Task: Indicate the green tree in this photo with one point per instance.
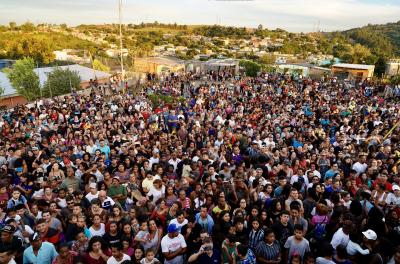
(61, 82)
(2, 90)
(98, 65)
(360, 53)
(38, 49)
(28, 27)
(12, 25)
(380, 67)
(24, 79)
(250, 67)
(267, 59)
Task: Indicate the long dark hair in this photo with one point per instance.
(94, 240)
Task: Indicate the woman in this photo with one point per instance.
(172, 212)
(128, 232)
(98, 228)
(116, 214)
(170, 196)
(66, 256)
(138, 256)
(95, 209)
(56, 174)
(275, 210)
(321, 216)
(242, 208)
(160, 212)
(269, 250)
(97, 252)
(157, 191)
(154, 238)
(126, 246)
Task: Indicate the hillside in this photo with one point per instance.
(381, 38)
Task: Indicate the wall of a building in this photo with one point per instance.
(354, 73)
(12, 101)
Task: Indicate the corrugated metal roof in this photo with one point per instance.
(5, 83)
(354, 66)
(84, 72)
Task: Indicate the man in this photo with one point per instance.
(117, 255)
(117, 191)
(106, 202)
(6, 257)
(52, 221)
(47, 233)
(244, 255)
(341, 236)
(173, 246)
(294, 196)
(180, 220)
(282, 229)
(39, 251)
(93, 193)
(8, 241)
(70, 182)
(296, 218)
(204, 219)
(296, 244)
(207, 254)
(360, 166)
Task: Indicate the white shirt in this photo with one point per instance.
(392, 198)
(172, 245)
(340, 238)
(99, 232)
(157, 194)
(359, 168)
(178, 225)
(91, 196)
(112, 260)
(174, 163)
(354, 248)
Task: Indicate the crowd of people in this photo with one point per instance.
(244, 170)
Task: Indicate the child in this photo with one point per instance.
(297, 244)
(149, 259)
(81, 243)
(143, 235)
(256, 234)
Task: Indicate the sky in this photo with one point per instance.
(291, 15)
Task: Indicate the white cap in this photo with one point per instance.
(395, 187)
(370, 234)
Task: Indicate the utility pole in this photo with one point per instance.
(120, 40)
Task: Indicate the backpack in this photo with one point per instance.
(319, 232)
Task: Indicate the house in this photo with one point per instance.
(115, 53)
(11, 97)
(392, 67)
(158, 65)
(358, 72)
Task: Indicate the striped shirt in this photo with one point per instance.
(255, 236)
(268, 252)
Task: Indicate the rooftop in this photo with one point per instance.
(354, 66)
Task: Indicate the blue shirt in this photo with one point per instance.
(46, 254)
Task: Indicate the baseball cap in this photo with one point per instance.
(35, 237)
(370, 234)
(395, 187)
(116, 177)
(9, 229)
(172, 228)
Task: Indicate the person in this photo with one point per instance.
(6, 256)
(179, 221)
(256, 233)
(97, 251)
(341, 236)
(173, 246)
(8, 241)
(282, 229)
(117, 255)
(39, 251)
(149, 259)
(268, 251)
(207, 254)
(328, 255)
(243, 255)
(66, 256)
(204, 219)
(296, 244)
